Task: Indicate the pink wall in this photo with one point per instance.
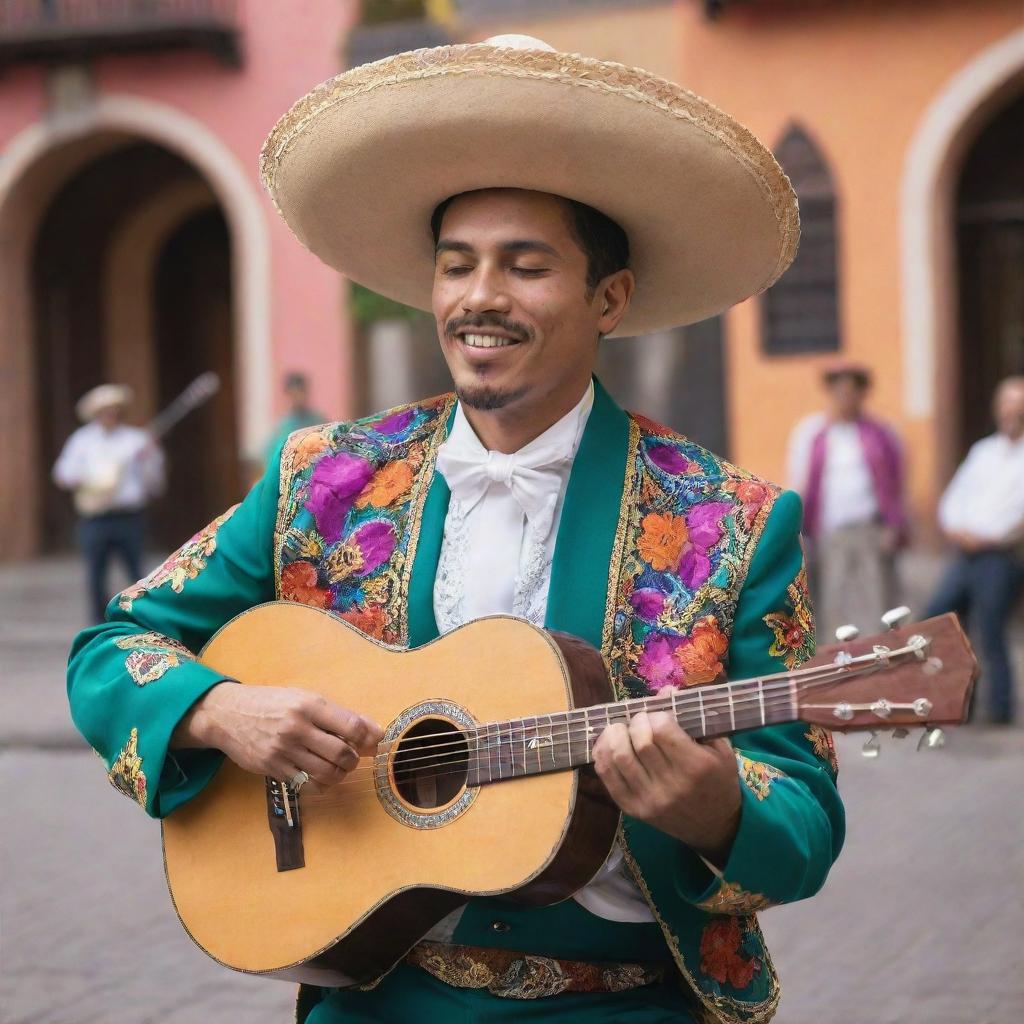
(288, 48)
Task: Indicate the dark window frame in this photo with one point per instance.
(800, 314)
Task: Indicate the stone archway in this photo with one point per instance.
(37, 162)
(990, 267)
(932, 168)
(131, 282)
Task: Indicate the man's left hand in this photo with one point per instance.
(655, 772)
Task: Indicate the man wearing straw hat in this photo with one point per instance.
(536, 202)
(114, 470)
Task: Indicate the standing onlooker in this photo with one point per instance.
(299, 414)
(848, 467)
(982, 515)
(114, 470)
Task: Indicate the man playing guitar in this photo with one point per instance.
(536, 202)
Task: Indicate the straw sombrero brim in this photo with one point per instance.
(358, 165)
(105, 396)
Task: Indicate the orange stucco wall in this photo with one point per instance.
(858, 77)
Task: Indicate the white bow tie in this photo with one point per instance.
(533, 475)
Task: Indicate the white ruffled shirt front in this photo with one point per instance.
(496, 555)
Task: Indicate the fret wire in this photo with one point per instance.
(777, 685)
(746, 710)
(732, 708)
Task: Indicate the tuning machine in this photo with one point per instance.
(872, 747)
(895, 617)
(931, 739)
(844, 634)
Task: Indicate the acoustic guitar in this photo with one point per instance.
(480, 785)
(95, 495)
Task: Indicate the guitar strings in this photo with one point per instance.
(830, 670)
(569, 734)
(568, 728)
(333, 798)
(719, 703)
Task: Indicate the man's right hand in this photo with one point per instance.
(278, 731)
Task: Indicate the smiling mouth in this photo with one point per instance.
(486, 341)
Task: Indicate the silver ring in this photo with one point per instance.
(298, 780)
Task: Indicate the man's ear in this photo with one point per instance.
(614, 294)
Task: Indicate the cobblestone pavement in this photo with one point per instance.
(919, 922)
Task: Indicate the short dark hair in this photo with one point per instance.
(603, 242)
(295, 380)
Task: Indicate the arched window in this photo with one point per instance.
(801, 311)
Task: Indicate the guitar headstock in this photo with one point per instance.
(205, 386)
(915, 675)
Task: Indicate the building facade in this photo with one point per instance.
(901, 124)
(137, 245)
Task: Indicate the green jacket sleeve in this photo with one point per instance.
(132, 678)
(792, 821)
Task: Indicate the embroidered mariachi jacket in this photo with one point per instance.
(678, 566)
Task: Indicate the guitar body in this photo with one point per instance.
(389, 852)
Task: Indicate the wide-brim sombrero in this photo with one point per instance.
(105, 396)
(358, 165)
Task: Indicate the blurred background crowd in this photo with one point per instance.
(881, 376)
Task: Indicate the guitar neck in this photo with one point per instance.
(558, 742)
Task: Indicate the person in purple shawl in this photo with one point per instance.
(848, 467)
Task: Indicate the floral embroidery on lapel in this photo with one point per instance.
(691, 524)
(824, 748)
(148, 666)
(185, 564)
(757, 776)
(347, 511)
(793, 628)
(722, 948)
(729, 898)
(126, 774)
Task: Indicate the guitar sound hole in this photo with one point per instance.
(430, 763)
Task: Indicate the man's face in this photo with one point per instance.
(1008, 408)
(109, 417)
(847, 393)
(298, 395)
(516, 324)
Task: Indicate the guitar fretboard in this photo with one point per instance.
(551, 743)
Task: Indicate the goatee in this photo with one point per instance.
(486, 398)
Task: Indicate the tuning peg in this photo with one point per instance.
(872, 747)
(931, 739)
(895, 617)
(900, 734)
(844, 634)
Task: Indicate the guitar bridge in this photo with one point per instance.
(285, 825)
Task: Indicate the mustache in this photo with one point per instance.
(519, 331)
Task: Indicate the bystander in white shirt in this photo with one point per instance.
(986, 496)
(122, 458)
(847, 489)
(499, 543)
